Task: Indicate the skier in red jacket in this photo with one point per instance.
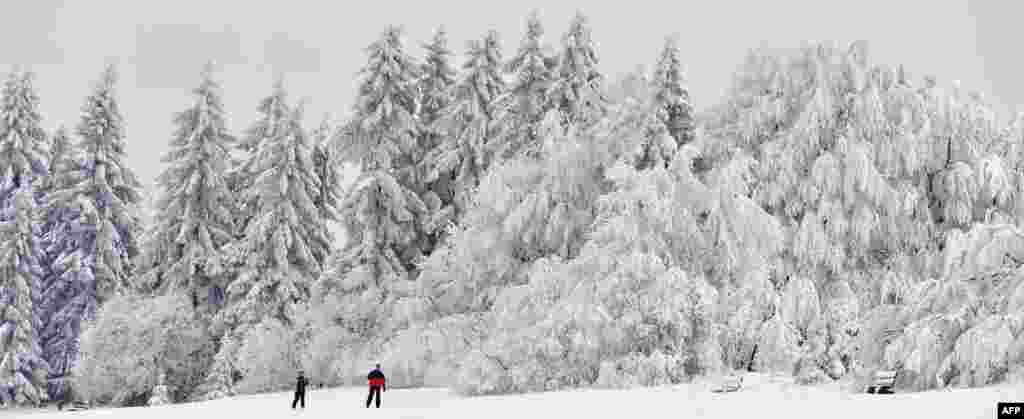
(377, 384)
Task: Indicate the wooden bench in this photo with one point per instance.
(730, 384)
(883, 383)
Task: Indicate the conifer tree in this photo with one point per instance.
(93, 240)
(520, 110)
(22, 367)
(273, 112)
(111, 187)
(23, 166)
(464, 156)
(63, 296)
(23, 153)
(434, 87)
(671, 95)
(434, 90)
(286, 241)
(194, 219)
(381, 213)
(328, 175)
(576, 93)
(61, 148)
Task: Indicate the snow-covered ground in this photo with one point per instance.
(762, 397)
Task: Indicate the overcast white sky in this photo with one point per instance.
(160, 45)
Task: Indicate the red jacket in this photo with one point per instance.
(375, 378)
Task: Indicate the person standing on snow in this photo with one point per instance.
(300, 391)
(377, 384)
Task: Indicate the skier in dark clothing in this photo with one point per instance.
(300, 391)
(377, 384)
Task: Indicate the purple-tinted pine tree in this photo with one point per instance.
(22, 367)
(23, 164)
(92, 238)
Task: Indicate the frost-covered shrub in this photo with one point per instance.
(270, 357)
(920, 351)
(133, 342)
(639, 370)
(744, 310)
(876, 330)
(808, 371)
(160, 395)
(983, 354)
(778, 346)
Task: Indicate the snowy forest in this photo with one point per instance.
(518, 223)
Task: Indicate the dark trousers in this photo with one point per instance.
(374, 391)
(300, 398)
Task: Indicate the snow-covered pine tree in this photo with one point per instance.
(194, 219)
(381, 213)
(286, 242)
(273, 111)
(61, 148)
(93, 240)
(576, 92)
(671, 95)
(220, 380)
(112, 188)
(65, 295)
(61, 152)
(434, 90)
(327, 171)
(23, 151)
(22, 367)
(23, 164)
(519, 111)
(463, 156)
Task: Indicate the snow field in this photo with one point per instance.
(762, 396)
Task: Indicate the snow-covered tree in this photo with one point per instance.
(220, 380)
(286, 242)
(576, 91)
(435, 94)
(671, 94)
(61, 148)
(381, 212)
(136, 345)
(111, 188)
(463, 156)
(22, 367)
(624, 312)
(383, 215)
(519, 111)
(93, 240)
(66, 295)
(23, 151)
(194, 219)
(273, 114)
(636, 115)
(434, 87)
(270, 357)
(327, 170)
